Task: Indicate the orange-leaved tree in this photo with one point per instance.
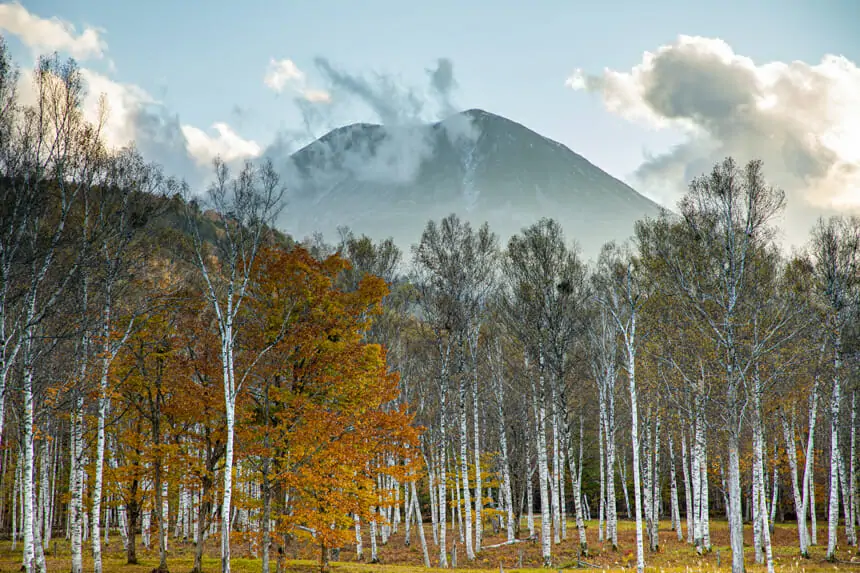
(324, 401)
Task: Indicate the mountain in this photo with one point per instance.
(389, 181)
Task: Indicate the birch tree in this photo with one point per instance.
(122, 208)
(620, 290)
(545, 293)
(496, 363)
(603, 352)
(456, 267)
(245, 209)
(835, 249)
(61, 158)
(18, 206)
(726, 217)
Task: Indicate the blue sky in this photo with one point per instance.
(204, 61)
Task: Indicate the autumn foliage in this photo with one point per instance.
(318, 415)
(324, 399)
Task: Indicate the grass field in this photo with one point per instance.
(674, 555)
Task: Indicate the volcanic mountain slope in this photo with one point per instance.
(389, 181)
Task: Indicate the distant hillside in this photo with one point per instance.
(388, 181)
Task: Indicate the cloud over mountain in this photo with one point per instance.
(801, 119)
(281, 74)
(395, 154)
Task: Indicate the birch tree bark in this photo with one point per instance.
(464, 467)
(479, 496)
(758, 460)
(689, 504)
(420, 525)
(799, 509)
(496, 358)
(620, 292)
(673, 489)
(601, 508)
(539, 406)
(246, 209)
(833, 507)
(655, 484)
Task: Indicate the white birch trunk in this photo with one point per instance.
(44, 487)
(228, 481)
(758, 474)
(734, 491)
(676, 509)
(16, 496)
(622, 474)
(49, 530)
(554, 477)
(696, 484)
(443, 506)
(530, 502)
(359, 547)
(479, 486)
(655, 484)
(612, 512)
(374, 550)
(28, 474)
(852, 476)
(601, 506)
(800, 510)
(846, 501)
(634, 435)
(100, 457)
(833, 508)
(775, 489)
(539, 406)
(464, 473)
(808, 502)
(757, 481)
(576, 483)
(77, 494)
(647, 491)
(504, 459)
(145, 525)
(561, 493)
(419, 524)
(434, 505)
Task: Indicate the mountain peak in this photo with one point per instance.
(389, 180)
(481, 114)
(484, 119)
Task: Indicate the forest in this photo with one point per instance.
(179, 376)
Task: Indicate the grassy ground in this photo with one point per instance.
(674, 555)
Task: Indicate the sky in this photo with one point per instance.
(652, 92)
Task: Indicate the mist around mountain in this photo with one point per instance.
(388, 181)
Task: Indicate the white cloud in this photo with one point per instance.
(282, 74)
(123, 102)
(127, 105)
(226, 143)
(801, 119)
(316, 96)
(132, 116)
(50, 34)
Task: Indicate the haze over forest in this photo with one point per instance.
(295, 283)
